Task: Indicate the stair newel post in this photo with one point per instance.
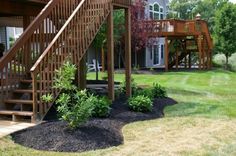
(34, 96)
(28, 61)
(128, 51)
(110, 54)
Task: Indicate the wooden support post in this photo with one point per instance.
(128, 51)
(203, 53)
(82, 73)
(110, 55)
(177, 58)
(186, 54)
(103, 59)
(189, 60)
(199, 52)
(166, 55)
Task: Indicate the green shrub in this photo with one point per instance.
(75, 109)
(219, 60)
(65, 76)
(148, 92)
(232, 62)
(158, 91)
(102, 107)
(122, 88)
(140, 103)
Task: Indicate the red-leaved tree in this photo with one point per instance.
(140, 38)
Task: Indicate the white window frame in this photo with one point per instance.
(152, 12)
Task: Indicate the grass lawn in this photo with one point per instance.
(202, 123)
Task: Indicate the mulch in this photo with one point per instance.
(97, 133)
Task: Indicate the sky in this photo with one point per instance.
(234, 1)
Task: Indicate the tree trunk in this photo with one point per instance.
(227, 62)
(96, 63)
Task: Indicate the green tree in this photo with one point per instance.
(208, 9)
(225, 30)
(185, 8)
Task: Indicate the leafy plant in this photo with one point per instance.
(47, 98)
(147, 92)
(65, 77)
(122, 88)
(102, 107)
(76, 109)
(158, 91)
(140, 103)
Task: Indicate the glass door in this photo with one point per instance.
(156, 55)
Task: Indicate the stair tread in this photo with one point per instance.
(26, 81)
(11, 112)
(19, 101)
(23, 91)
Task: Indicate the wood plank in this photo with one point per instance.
(18, 101)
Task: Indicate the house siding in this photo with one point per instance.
(149, 60)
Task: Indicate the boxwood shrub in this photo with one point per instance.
(140, 103)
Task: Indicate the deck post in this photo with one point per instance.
(110, 55)
(82, 73)
(166, 55)
(128, 51)
(177, 58)
(199, 52)
(189, 60)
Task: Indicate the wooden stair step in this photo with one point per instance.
(23, 91)
(26, 81)
(18, 101)
(20, 113)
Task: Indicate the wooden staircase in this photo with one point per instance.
(64, 29)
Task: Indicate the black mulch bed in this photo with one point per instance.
(95, 134)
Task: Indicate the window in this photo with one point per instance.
(156, 12)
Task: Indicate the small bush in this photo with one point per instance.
(76, 109)
(148, 92)
(159, 91)
(219, 60)
(102, 107)
(140, 103)
(122, 88)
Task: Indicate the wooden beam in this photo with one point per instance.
(128, 51)
(110, 55)
(14, 8)
(166, 55)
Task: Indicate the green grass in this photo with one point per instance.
(202, 123)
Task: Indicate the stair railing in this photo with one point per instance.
(71, 41)
(16, 63)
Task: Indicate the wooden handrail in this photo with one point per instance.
(26, 34)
